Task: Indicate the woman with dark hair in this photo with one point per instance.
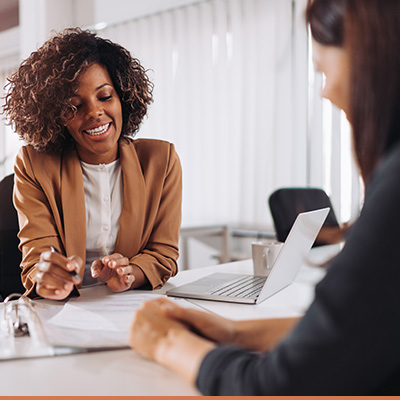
(347, 343)
(107, 205)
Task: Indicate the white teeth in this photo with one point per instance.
(98, 131)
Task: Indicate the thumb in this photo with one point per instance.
(96, 268)
(77, 261)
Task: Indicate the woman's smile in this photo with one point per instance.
(99, 131)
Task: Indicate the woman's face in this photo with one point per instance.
(333, 62)
(97, 124)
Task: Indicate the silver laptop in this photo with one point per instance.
(250, 289)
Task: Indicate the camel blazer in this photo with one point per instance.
(49, 198)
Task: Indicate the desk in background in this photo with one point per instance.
(221, 236)
(123, 372)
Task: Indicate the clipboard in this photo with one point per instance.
(22, 334)
(21, 331)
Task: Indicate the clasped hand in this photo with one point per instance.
(176, 337)
(179, 338)
(156, 319)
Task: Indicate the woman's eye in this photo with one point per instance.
(105, 98)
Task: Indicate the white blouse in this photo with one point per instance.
(104, 197)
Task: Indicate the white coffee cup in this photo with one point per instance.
(264, 255)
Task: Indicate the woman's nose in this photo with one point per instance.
(94, 110)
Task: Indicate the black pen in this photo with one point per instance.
(73, 273)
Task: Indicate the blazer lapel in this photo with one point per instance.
(133, 213)
(73, 204)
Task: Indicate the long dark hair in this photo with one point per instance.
(370, 29)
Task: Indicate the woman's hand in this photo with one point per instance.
(162, 339)
(210, 326)
(333, 234)
(53, 278)
(150, 326)
(260, 335)
(117, 273)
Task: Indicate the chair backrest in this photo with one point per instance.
(10, 256)
(286, 203)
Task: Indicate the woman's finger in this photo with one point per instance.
(52, 293)
(115, 260)
(53, 281)
(129, 279)
(124, 270)
(96, 268)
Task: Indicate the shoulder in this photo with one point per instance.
(27, 154)
(36, 164)
(386, 176)
(391, 162)
(153, 150)
(144, 146)
(153, 157)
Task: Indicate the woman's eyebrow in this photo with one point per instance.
(98, 88)
(101, 86)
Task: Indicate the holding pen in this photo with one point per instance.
(73, 272)
(55, 275)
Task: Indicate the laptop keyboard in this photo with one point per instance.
(245, 287)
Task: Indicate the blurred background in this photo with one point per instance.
(235, 91)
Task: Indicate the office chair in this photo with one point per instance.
(286, 203)
(10, 256)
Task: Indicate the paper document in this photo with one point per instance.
(112, 313)
(97, 318)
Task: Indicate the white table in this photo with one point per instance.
(123, 372)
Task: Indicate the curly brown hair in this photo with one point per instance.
(38, 100)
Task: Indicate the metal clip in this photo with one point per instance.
(13, 315)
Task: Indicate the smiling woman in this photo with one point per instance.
(109, 204)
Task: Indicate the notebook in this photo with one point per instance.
(250, 289)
